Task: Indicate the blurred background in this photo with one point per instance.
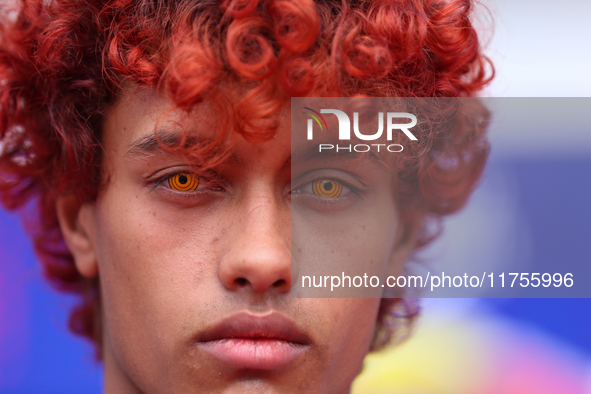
(532, 206)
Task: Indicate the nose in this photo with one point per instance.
(258, 257)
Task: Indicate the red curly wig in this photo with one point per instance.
(63, 63)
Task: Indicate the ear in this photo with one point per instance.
(77, 224)
(404, 245)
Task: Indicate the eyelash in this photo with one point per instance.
(353, 191)
(207, 182)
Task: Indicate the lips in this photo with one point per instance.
(249, 341)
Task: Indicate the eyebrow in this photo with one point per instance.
(150, 145)
(312, 152)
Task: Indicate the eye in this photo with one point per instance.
(327, 188)
(183, 182)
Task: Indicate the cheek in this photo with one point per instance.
(351, 243)
(155, 269)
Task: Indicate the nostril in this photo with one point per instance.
(241, 282)
(279, 283)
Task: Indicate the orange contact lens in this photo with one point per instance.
(327, 188)
(183, 182)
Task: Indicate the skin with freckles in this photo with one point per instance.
(174, 264)
(351, 229)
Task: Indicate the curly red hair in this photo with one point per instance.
(63, 63)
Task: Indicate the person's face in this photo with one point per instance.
(195, 282)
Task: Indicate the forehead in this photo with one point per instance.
(142, 123)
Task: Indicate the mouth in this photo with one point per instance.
(249, 341)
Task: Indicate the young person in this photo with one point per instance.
(154, 139)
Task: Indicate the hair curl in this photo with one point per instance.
(63, 63)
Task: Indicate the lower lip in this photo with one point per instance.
(246, 353)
